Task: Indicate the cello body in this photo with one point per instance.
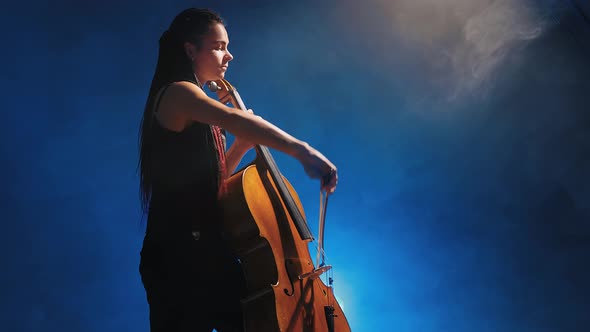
(273, 257)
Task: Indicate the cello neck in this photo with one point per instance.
(226, 93)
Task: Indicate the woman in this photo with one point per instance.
(192, 281)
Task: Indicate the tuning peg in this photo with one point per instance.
(213, 87)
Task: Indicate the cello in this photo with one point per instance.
(265, 225)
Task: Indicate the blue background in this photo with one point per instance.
(461, 130)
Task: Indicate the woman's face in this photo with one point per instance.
(210, 62)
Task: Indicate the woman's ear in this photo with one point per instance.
(190, 50)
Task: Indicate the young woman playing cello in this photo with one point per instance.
(192, 280)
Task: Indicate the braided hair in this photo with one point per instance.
(173, 65)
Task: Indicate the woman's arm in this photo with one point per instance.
(234, 155)
(187, 101)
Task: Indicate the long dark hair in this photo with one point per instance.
(173, 66)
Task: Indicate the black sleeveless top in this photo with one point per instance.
(185, 171)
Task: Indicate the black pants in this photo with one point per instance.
(192, 285)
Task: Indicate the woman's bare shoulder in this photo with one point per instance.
(178, 97)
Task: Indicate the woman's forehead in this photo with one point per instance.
(217, 33)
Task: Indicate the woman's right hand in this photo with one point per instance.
(317, 166)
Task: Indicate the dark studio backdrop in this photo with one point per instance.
(461, 130)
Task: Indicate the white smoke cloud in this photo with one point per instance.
(466, 41)
(488, 37)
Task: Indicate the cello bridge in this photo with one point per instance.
(315, 273)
